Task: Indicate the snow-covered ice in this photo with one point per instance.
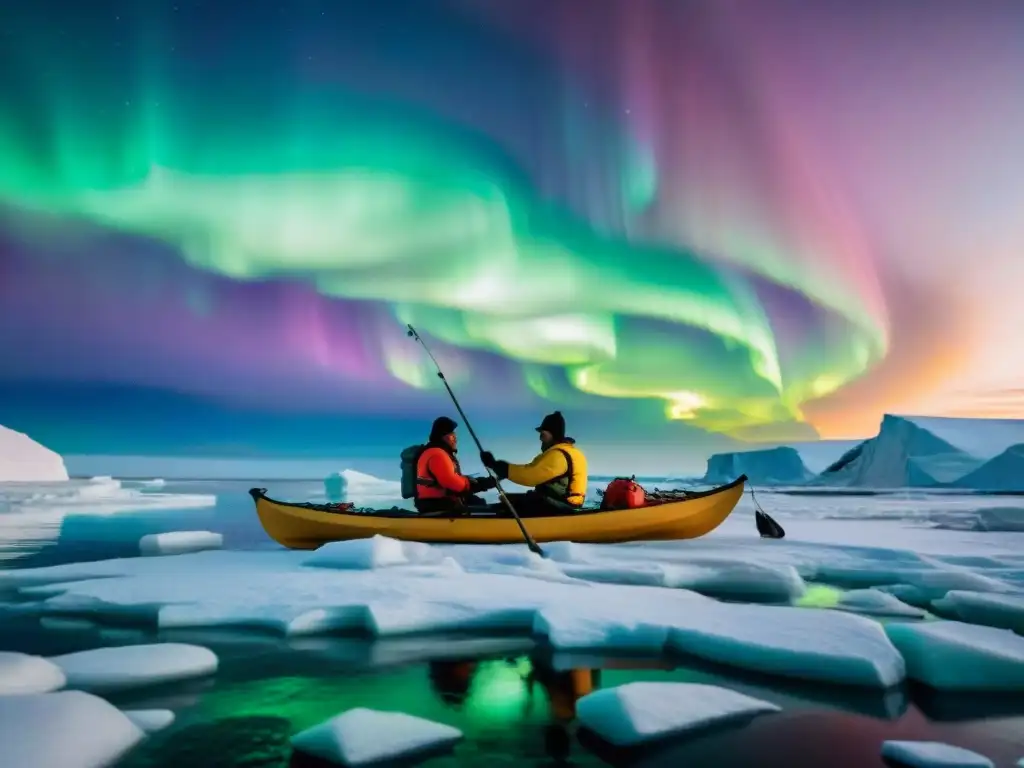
(150, 720)
(365, 736)
(179, 542)
(22, 673)
(67, 729)
(635, 713)
(953, 656)
(932, 754)
(133, 666)
(361, 554)
(23, 460)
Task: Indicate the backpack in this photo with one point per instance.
(410, 456)
(623, 493)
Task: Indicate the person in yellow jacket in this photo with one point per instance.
(558, 474)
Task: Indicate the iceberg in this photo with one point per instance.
(773, 466)
(638, 713)
(1004, 472)
(901, 455)
(23, 460)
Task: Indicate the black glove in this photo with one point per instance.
(481, 484)
(487, 459)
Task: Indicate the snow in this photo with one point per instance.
(953, 656)
(23, 460)
(68, 729)
(179, 542)
(21, 673)
(150, 720)
(365, 736)
(933, 754)
(1002, 611)
(133, 666)
(636, 713)
(773, 466)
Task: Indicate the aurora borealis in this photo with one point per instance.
(746, 219)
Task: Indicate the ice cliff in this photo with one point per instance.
(774, 466)
(22, 459)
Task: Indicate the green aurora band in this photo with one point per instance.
(383, 205)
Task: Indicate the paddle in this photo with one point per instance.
(766, 524)
(497, 483)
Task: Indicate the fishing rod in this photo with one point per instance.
(534, 547)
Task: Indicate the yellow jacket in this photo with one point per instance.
(560, 472)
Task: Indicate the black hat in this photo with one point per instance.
(442, 426)
(553, 423)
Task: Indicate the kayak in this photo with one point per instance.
(308, 526)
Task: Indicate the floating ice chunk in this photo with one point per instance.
(950, 655)
(367, 554)
(69, 729)
(21, 673)
(150, 720)
(828, 646)
(933, 754)
(131, 666)
(179, 542)
(636, 713)
(1003, 611)
(567, 631)
(736, 579)
(365, 736)
(877, 603)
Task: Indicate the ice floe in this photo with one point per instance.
(179, 542)
(150, 720)
(999, 610)
(67, 729)
(952, 656)
(932, 754)
(362, 736)
(636, 713)
(132, 666)
(874, 602)
(22, 673)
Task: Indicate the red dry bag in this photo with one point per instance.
(624, 493)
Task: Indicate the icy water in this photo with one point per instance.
(512, 698)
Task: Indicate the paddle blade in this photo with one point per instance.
(767, 527)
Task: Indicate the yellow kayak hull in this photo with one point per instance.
(308, 526)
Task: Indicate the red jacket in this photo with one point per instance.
(438, 475)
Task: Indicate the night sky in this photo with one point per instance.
(681, 223)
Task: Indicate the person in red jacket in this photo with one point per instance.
(440, 484)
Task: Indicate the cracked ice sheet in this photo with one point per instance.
(276, 590)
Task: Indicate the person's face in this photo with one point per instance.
(452, 440)
(546, 438)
